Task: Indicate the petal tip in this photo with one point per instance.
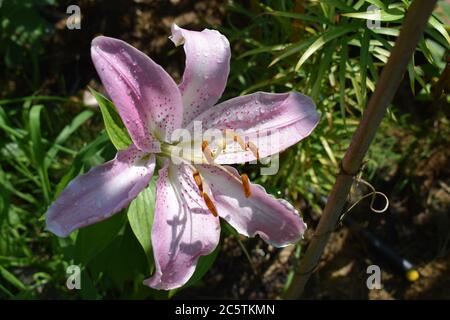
(56, 228)
(177, 35)
(155, 282)
(97, 40)
(106, 43)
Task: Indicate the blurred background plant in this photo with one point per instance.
(22, 33)
(49, 134)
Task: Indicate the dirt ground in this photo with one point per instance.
(416, 226)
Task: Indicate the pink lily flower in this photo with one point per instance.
(191, 195)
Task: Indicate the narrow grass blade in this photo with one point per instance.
(322, 40)
(38, 149)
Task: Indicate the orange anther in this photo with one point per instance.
(198, 181)
(210, 204)
(205, 145)
(207, 152)
(246, 185)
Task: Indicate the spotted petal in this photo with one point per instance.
(273, 122)
(147, 98)
(274, 220)
(207, 67)
(101, 192)
(183, 228)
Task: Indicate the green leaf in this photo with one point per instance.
(93, 239)
(123, 261)
(324, 66)
(297, 253)
(376, 16)
(86, 153)
(88, 290)
(292, 49)
(439, 27)
(264, 49)
(377, 3)
(38, 150)
(12, 279)
(299, 16)
(32, 99)
(338, 4)
(4, 196)
(342, 73)
(322, 40)
(140, 217)
(6, 291)
(113, 123)
(329, 151)
(65, 133)
(364, 57)
(387, 31)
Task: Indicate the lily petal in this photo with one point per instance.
(183, 228)
(272, 122)
(207, 67)
(274, 220)
(101, 192)
(147, 98)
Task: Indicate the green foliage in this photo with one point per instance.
(33, 154)
(117, 132)
(140, 216)
(22, 30)
(39, 157)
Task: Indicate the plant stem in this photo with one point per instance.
(388, 83)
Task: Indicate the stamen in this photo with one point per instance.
(229, 136)
(246, 185)
(207, 152)
(239, 140)
(254, 149)
(198, 181)
(205, 145)
(210, 204)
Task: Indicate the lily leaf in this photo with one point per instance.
(93, 239)
(140, 216)
(114, 126)
(376, 16)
